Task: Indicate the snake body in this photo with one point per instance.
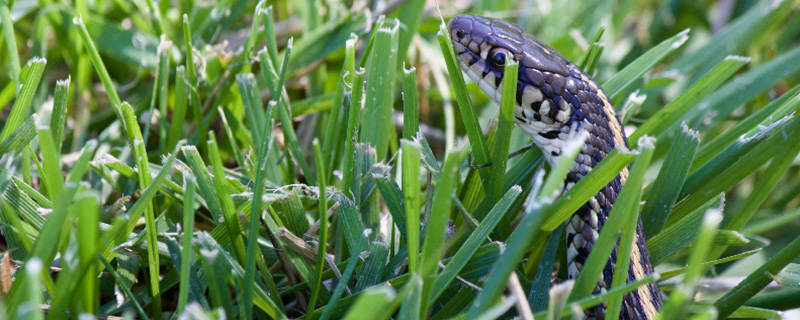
(554, 98)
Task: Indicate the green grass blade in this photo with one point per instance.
(410, 168)
(179, 108)
(735, 172)
(749, 127)
(667, 185)
(732, 153)
(680, 234)
(373, 265)
(11, 42)
(757, 280)
(410, 103)
(191, 77)
(675, 110)
(436, 228)
(505, 121)
(22, 137)
(394, 199)
(51, 159)
(468, 113)
(353, 124)
(19, 112)
(676, 307)
(586, 188)
(58, 117)
(100, 68)
(617, 84)
(323, 229)
(334, 133)
(538, 297)
(224, 194)
(27, 304)
(87, 232)
(143, 166)
(745, 87)
(187, 252)
(379, 98)
(373, 304)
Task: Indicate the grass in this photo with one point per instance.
(280, 161)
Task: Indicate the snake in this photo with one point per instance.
(554, 98)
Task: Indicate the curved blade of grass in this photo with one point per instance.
(101, 70)
(677, 109)
(745, 87)
(617, 84)
(766, 116)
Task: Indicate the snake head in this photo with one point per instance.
(548, 83)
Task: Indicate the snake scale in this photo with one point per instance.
(555, 97)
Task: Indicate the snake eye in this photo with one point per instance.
(497, 57)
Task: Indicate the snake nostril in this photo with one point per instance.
(459, 34)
